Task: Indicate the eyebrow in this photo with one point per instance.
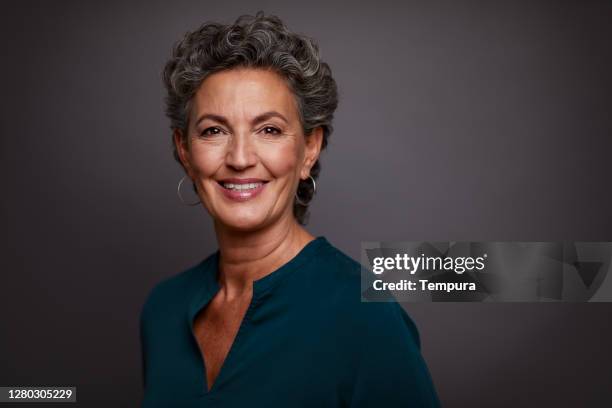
(267, 115)
(213, 117)
(257, 119)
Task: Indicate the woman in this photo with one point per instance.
(274, 317)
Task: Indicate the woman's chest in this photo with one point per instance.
(265, 350)
(215, 329)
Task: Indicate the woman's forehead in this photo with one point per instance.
(244, 92)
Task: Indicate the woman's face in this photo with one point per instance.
(246, 150)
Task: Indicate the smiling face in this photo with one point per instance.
(245, 148)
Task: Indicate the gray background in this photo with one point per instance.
(458, 121)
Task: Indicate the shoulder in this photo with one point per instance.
(173, 289)
(380, 337)
(346, 280)
(336, 266)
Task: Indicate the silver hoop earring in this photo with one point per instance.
(314, 190)
(178, 192)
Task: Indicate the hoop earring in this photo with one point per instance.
(314, 190)
(178, 192)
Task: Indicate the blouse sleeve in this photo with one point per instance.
(391, 370)
(144, 331)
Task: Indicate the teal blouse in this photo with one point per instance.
(306, 340)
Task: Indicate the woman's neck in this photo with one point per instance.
(245, 257)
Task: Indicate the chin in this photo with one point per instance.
(243, 222)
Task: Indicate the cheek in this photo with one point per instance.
(206, 159)
(282, 160)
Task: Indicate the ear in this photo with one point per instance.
(182, 149)
(313, 150)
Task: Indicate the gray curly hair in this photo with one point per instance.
(260, 42)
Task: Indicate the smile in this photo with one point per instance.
(248, 186)
(241, 190)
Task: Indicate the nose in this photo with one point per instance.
(240, 151)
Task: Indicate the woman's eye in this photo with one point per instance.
(211, 131)
(271, 130)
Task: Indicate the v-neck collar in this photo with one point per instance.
(210, 266)
(208, 270)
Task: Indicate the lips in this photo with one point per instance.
(241, 189)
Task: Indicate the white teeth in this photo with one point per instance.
(241, 187)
